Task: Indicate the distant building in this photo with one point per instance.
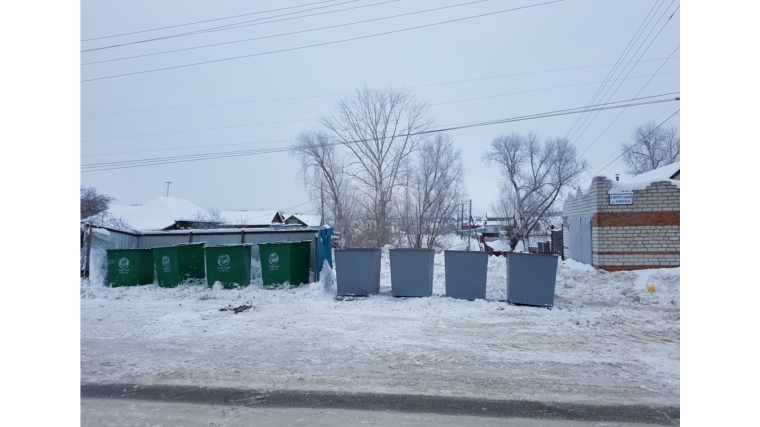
(250, 219)
(161, 213)
(305, 220)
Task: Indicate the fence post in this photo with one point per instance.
(316, 257)
(87, 256)
(558, 243)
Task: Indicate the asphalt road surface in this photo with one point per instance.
(130, 404)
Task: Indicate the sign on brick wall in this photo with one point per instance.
(621, 199)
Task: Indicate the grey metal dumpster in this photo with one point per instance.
(358, 271)
(412, 272)
(531, 279)
(466, 273)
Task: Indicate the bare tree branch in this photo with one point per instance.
(91, 202)
(535, 176)
(379, 129)
(324, 173)
(651, 148)
(433, 190)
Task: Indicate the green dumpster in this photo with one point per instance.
(129, 267)
(285, 262)
(179, 264)
(229, 264)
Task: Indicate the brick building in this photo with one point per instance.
(631, 225)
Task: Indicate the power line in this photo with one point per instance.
(323, 44)
(655, 120)
(349, 93)
(306, 120)
(623, 110)
(635, 144)
(207, 20)
(285, 140)
(103, 166)
(632, 68)
(196, 130)
(239, 24)
(643, 25)
(184, 148)
(543, 89)
(285, 34)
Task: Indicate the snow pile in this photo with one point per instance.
(452, 242)
(326, 286)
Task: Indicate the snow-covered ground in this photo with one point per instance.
(607, 340)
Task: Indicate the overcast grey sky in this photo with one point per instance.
(541, 58)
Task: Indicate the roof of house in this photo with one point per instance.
(260, 218)
(157, 214)
(119, 211)
(642, 181)
(665, 172)
(310, 220)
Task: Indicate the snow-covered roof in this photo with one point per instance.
(262, 218)
(159, 213)
(664, 172)
(310, 220)
(642, 181)
(119, 211)
(639, 182)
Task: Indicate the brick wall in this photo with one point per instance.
(645, 234)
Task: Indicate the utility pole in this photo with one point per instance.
(469, 237)
(322, 197)
(167, 187)
(461, 221)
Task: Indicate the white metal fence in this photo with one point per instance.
(99, 239)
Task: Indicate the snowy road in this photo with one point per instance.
(128, 413)
(607, 341)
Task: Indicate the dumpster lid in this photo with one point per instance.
(358, 249)
(412, 249)
(285, 242)
(229, 245)
(180, 245)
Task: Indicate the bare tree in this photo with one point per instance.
(535, 175)
(206, 220)
(379, 129)
(323, 171)
(106, 219)
(433, 192)
(651, 147)
(91, 202)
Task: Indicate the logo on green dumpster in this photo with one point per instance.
(274, 261)
(223, 260)
(224, 263)
(123, 263)
(166, 261)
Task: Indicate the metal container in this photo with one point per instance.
(285, 262)
(358, 271)
(129, 267)
(531, 279)
(179, 264)
(229, 265)
(466, 273)
(412, 272)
